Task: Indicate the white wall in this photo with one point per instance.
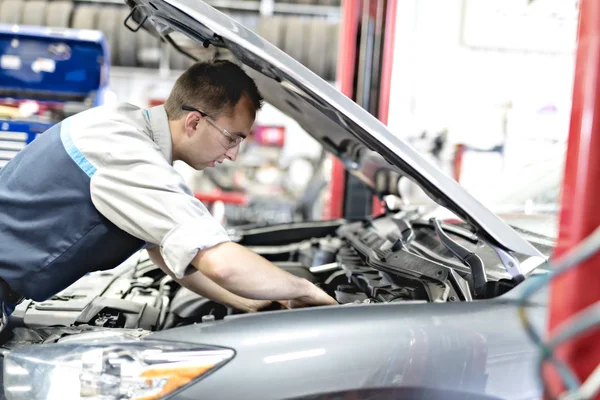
(438, 81)
(481, 74)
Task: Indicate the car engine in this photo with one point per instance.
(378, 261)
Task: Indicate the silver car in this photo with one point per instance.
(427, 306)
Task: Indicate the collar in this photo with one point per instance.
(160, 132)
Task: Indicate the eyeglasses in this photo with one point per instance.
(230, 141)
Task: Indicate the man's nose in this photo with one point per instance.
(232, 153)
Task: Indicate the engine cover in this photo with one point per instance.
(112, 299)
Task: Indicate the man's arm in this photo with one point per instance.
(249, 275)
(142, 194)
(200, 284)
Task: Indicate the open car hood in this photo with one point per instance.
(365, 145)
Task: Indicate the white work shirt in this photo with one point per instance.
(135, 185)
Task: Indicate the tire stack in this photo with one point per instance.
(311, 41)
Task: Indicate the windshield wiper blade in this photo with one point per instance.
(467, 257)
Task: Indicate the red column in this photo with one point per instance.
(388, 60)
(345, 76)
(580, 213)
(386, 77)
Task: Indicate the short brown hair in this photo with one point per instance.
(214, 87)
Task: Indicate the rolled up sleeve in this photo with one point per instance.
(142, 194)
(180, 245)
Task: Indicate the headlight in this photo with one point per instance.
(141, 370)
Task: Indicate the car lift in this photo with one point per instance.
(579, 216)
(364, 70)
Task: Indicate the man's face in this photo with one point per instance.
(213, 139)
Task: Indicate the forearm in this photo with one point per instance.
(200, 284)
(249, 275)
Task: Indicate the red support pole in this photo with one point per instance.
(388, 60)
(579, 215)
(386, 77)
(345, 76)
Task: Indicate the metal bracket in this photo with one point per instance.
(130, 15)
(511, 264)
(467, 257)
(463, 286)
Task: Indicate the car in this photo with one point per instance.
(427, 306)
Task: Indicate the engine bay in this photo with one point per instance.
(384, 260)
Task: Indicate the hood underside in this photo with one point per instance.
(365, 145)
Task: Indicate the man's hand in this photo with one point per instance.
(250, 275)
(257, 305)
(320, 298)
(316, 297)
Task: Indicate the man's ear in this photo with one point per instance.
(190, 123)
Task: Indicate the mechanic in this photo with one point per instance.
(99, 186)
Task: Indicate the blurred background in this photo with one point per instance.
(481, 88)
